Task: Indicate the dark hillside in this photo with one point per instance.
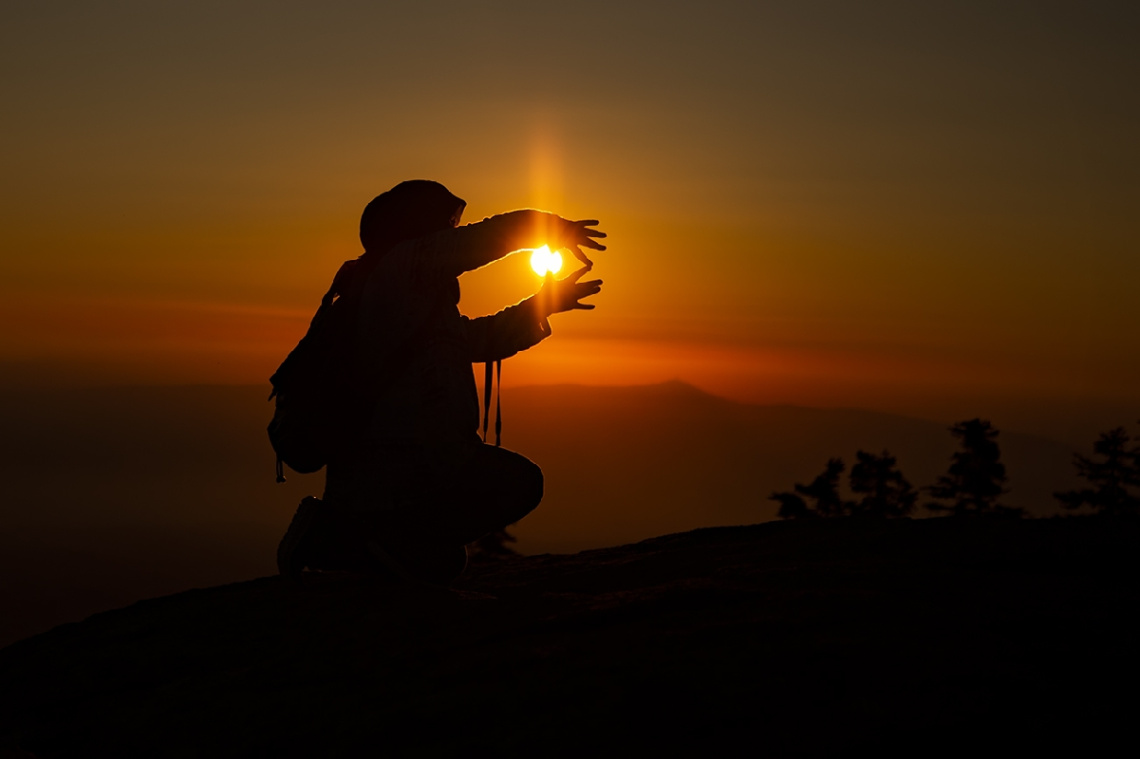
(928, 637)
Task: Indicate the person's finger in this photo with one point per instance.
(577, 252)
(575, 275)
(583, 234)
(583, 306)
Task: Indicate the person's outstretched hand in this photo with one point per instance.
(579, 234)
(559, 295)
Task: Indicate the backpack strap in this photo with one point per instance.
(490, 369)
(488, 379)
(499, 404)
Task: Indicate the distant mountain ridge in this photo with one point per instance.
(115, 494)
(707, 460)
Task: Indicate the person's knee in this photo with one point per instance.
(533, 485)
(526, 490)
(514, 483)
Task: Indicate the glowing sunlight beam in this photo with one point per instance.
(543, 260)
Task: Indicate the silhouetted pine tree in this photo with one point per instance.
(1110, 478)
(886, 493)
(823, 492)
(976, 478)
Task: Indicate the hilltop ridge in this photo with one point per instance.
(800, 639)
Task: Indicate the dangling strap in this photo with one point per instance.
(280, 470)
(488, 380)
(491, 369)
(499, 403)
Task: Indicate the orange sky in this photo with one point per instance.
(926, 210)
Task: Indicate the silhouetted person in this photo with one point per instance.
(413, 483)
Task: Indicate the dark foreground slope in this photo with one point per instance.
(917, 637)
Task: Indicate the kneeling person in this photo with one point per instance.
(415, 483)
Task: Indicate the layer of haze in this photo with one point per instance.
(927, 208)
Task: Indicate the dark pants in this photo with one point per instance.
(485, 491)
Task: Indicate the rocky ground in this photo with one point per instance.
(925, 637)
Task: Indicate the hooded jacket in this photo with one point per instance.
(428, 411)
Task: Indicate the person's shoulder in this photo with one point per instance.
(436, 242)
(415, 259)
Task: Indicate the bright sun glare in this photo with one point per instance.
(543, 260)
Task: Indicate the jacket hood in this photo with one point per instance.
(409, 210)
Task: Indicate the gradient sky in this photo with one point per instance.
(928, 208)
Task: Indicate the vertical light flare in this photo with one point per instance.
(545, 165)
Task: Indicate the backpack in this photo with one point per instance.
(316, 387)
(321, 403)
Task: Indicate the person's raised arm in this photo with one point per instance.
(525, 324)
(566, 294)
(478, 244)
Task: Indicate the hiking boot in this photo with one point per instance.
(291, 551)
(420, 563)
(323, 537)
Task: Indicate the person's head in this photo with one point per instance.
(409, 210)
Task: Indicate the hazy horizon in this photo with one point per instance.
(115, 494)
(1077, 423)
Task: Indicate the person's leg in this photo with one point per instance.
(420, 523)
(425, 539)
(490, 489)
(322, 536)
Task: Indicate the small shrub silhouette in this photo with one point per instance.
(884, 490)
(493, 545)
(823, 492)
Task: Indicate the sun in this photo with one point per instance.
(543, 260)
